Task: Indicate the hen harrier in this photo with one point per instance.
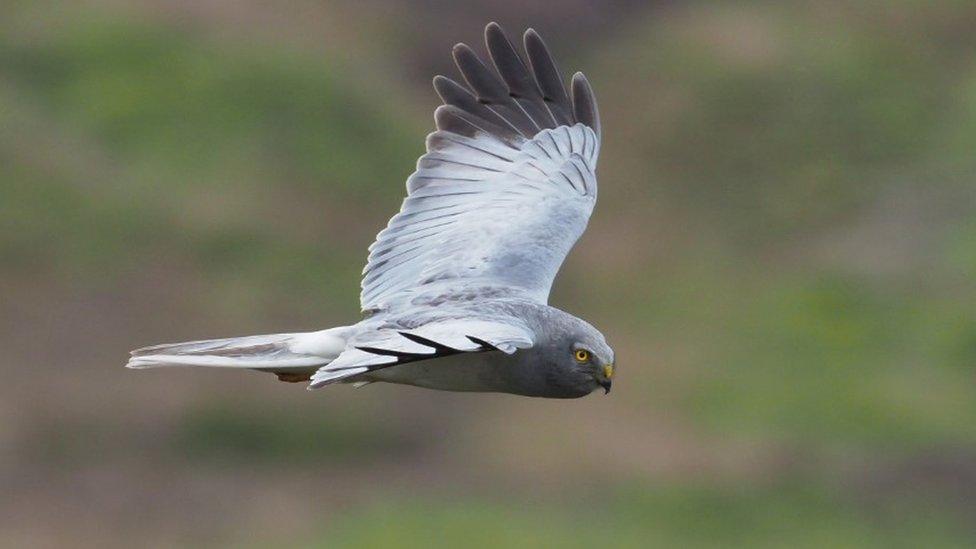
(455, 289)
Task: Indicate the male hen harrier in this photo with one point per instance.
(454, 292)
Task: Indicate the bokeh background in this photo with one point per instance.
(784, 257)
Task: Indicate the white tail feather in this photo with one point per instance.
(276, 352)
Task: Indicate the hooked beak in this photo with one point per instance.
(607, 380)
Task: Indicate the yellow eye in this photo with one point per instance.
(582, 355)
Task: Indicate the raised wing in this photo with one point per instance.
(505, 189)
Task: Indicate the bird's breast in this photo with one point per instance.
(471, 372)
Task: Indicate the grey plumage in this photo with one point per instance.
(455, 288)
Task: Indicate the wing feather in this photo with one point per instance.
(506, 187)
(548, 78)
(392, 345)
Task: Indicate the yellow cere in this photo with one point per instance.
(608, 371)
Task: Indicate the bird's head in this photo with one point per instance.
(580, 359)
(597, 364)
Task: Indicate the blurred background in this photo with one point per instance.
(784, 257)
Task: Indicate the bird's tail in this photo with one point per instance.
(292, 356)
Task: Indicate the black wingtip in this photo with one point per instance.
(459, 48)
(495, 34)
(524, 94)
(466, 59)
(441, 84)
(548, 77)
(533, 40)
(585, 108)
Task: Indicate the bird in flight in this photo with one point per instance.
(455, 290)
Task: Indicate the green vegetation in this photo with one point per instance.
(276, 438)
(653, 516)
(164, 143)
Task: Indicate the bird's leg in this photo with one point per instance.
(293, 377)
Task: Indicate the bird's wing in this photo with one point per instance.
(392, 345)
(506, 187)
